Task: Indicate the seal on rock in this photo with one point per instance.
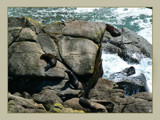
(73, 79)
(112, 30)
(50, 59)
(86, 103)
(130, 71)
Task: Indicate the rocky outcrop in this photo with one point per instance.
(139, 103)
(108, 94)
(77, 46)
(129, 46)
(132, 84)
(18, 104)
(106, 91)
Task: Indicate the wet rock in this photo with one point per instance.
(131, 47)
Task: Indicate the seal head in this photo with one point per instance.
(50, 59)
(73, 79)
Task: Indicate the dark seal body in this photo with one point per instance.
(86, 103)
(112, 30)
(73, 79)
(50, 59)
(129, 71)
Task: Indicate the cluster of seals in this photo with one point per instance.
(50, 59)
(112, 30)
(73, 79)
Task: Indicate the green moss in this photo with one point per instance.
(97, 47)
(57, 22)
(59, 108)
(78, 111)
(91, 70)
(36, 22)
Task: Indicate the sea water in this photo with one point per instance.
(138, 20)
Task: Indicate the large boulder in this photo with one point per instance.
(84, 29)
(79, 54)
(24, 59)
(75, 28)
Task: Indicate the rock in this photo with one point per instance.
(17, 94)
(112, 49)
(47, 98)
(83, 29)
(93, 106)
(27, 34)
(18, 104)
(129, 46)
(106, 90)
(34, 25)
(16, 21)
(48, 44)
(74, 104)
(79, 54)
(59, 108)
(13, 33)
(69, 93)
(75, 28)
(24, 59)
(54, 28)
(130, 82)
(26, 95)
(139, 80)
(139, 103)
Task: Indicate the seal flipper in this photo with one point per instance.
(47, 67)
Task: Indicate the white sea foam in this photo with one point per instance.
(81, 10)
(113, 63)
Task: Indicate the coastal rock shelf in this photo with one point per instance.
(77, 46)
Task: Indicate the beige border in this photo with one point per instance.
(78, 3)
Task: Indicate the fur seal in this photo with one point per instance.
(50, 59)
(112, 30)
(130, 71)
(73, 79)
(86, 103)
